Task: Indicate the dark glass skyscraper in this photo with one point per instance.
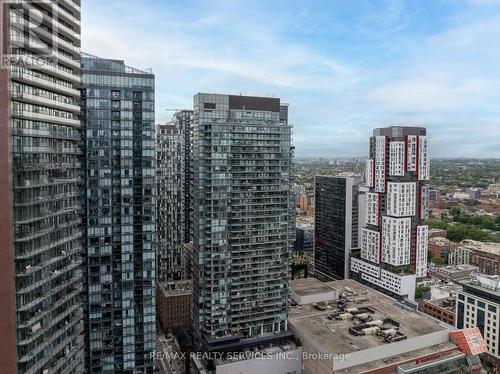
(184, 120)
(170, 184)
(118, 118)
(40, 234)
(243, 219)
(336, 225)
(174, 183)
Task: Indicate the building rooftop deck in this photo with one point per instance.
(331, 335)
(309, 286)
(176, 288)
(407, 360)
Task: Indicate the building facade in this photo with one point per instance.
(450, 273)
(118, 118)
(394, 239)
(336, 225)
(478, 305)
(174, 182)
(184, 120)
(243, 218)
(441, 247)
(40, 276)
(304, 239)
(442, 309)
(170, 184)
(459, 256)
(174, 305)
(486, 256)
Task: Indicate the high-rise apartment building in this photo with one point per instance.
(335, 225)
(119, 140)
(174, 183)
(184, 120)
(170, 184)
(394, 240)
(243, 219)
(40, 276)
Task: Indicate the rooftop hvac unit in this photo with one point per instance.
(377, 322)
(389, 332)
(371, 330)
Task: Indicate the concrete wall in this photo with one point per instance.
(289, 362)
(388, 350)
(316, 298)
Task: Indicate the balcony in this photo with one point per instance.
(58, 273)
(58, 72)
(59, 11)
(35, 116)
(30, 356)
(50, 38)
(47, 134)
(28, 254)
(50, 214)
(67, 16)
(29, 78)
(53, 321)
(74, 281)
(66, 60)
(45, 101)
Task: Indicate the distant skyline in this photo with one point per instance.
(344, 67)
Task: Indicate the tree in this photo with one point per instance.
(438, 261)
(420, 290)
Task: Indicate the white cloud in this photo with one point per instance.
(431, 92)
(339, 90)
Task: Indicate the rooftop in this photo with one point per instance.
(399, 131)
(91, 62)
(486, 285)
(309, 286)
(452, 269)
(439, 240)
(331, 335)
(258, 353)
(436, 231)
(407, 359)
(176, 288)
(444, 302)
(489, 247)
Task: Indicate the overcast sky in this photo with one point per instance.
(345, 67)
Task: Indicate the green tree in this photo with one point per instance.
(420, 290)
(438, 261)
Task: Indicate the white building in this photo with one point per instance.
(478, 305)
(393, 241)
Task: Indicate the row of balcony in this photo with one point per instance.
(26, 76)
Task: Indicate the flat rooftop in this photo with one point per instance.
(439, 240)
(488, 247)
(309, 286)
(176, 288)
(451, 269)
(444, 302)
(404, 359)
(333, 335)
(487, 286)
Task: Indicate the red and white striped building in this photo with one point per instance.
(394, 239)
